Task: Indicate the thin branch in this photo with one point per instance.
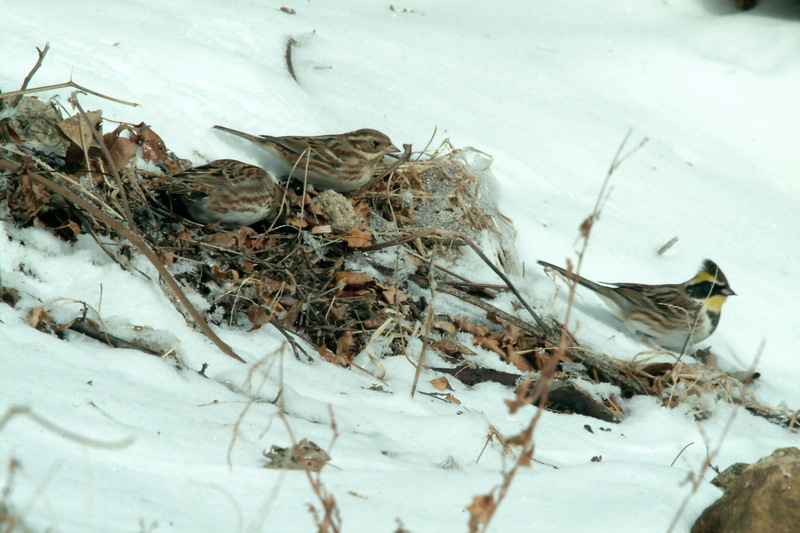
(430, 141)
(667, 246)
(288, 56)
(29, 77)
(428, 324)
(296, 348)
(137, 241)
(82, 325)
(477, 250)
(680, 453)
(65, 85)
(291, 42)
(20, 410)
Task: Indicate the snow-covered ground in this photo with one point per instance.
(549, 89)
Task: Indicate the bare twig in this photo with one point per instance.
(64, 86)
(477, 250)
(667, 246)
(485, 506)
(680, 453)
(288, 55)
(433, 135)
(137, 241)
(19, 410)
(428, 323)
(82, 325)
(296, 348)
(291, 42)
(601, 364)
(29, 77)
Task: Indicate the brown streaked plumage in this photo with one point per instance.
(341, 162)
(670, 314)
(226, 191)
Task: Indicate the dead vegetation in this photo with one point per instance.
(338, 272)
(363, 273)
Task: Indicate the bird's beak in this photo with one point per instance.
(727, 291)
(392, 149)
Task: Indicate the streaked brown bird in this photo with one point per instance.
(341, 162)
(226, 191)
(670, 314)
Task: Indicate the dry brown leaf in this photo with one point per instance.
(315, 209)
(272, 286)
(392, 295)
(480, 511)
(258, 315)
(75, 130)
(232, 239)
(361, 209)
(372, 322)
(344, 345)
(339, 312)
(73, 227)
(153, 148)
(29, 197)
(444, 325)
(357, 238)
(452, 399)
(167, 258)
(353, 280)
(490, 344)
(9, 296)
(296, 222)
(332, 357)
(121, 149)
(228, 274)
(517, 360)
(451, 348)
(441, 383)
(39, 319)
(305, 455)
(511, 334)
(470, 327)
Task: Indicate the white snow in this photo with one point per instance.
(549, 90)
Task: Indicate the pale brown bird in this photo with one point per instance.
(226, 191)
(341, 162)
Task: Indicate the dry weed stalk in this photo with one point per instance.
(698, 478)
(331, 520)
(484, 507)
(66, 85)
(24, 411)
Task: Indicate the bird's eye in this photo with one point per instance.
(376, 144)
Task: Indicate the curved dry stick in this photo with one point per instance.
(458, 235)
(137, 241)
(64, 86)
(29, 77)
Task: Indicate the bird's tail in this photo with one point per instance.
(596, 287)
(249, 137)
